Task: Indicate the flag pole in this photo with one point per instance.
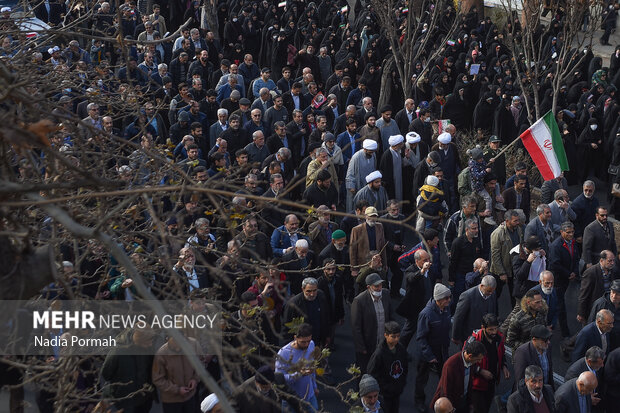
(518, 138)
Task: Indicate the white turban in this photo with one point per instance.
(209, 403)
(372, 176)
(445, 138)
(395, 140)
(413, 137)
(369, 144)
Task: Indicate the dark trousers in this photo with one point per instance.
(397, 277)
(188, 406)
(423, 371)
(500, 287)
(457, 290)
(362, 360)
(408, 331)
(481, 399)
(390, 404)
(560, 291)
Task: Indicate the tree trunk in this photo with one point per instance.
(386, 83)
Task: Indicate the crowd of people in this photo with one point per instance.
(292, 200)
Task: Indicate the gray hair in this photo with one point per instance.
(322, 150)
(588, 184)
(308, 281)
(558, 194)
(296, 111)
(510, 214)
(288, 218)
(233, 76)
(301, 243)
(279, 124)
(194, 31)
(470, 221)
(284, 152)
(91, 106)
(595, 353)
(238, 200)
(248, 177)
(233, 243)
(488, 281)
(467, 200)
(600, 316)
(541, 208)
(366, 100)
(67, 264)
(566, 226)
(162, 66)
(546, 272)
(533, 371)
(222, 111)
(257, 134)
(201, 221)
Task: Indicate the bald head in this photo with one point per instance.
(443, 405)
(586, 382)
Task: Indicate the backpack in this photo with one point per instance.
(464, 183)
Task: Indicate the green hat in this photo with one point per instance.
(338, 234)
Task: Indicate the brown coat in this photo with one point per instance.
(359, 246)
(172, 370)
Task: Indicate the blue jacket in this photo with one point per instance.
(588, 337)
(433, 334)
(552, 303)
(344, 143)
(280, 240)
(535, 227)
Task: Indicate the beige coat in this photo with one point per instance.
(171, 371)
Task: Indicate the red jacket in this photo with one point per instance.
(479, 382)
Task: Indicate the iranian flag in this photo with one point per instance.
(544, 143)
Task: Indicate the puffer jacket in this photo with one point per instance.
(522, 323)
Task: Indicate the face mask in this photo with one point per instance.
(465, 82)
(427, 119)
(235, 20)
(376, 294)
(593, 127)
(370, 223)
(547, 291)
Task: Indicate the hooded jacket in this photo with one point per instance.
(390, 368)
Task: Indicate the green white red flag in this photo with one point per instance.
(544, 144)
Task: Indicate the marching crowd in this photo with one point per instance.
(271, 122)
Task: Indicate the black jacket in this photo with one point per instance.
(418, 291)
(390, 369)
(336, 309)
(297, 307)
(521, 400)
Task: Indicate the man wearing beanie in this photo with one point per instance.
(256, 393)
(369, 395)
(433, 342)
